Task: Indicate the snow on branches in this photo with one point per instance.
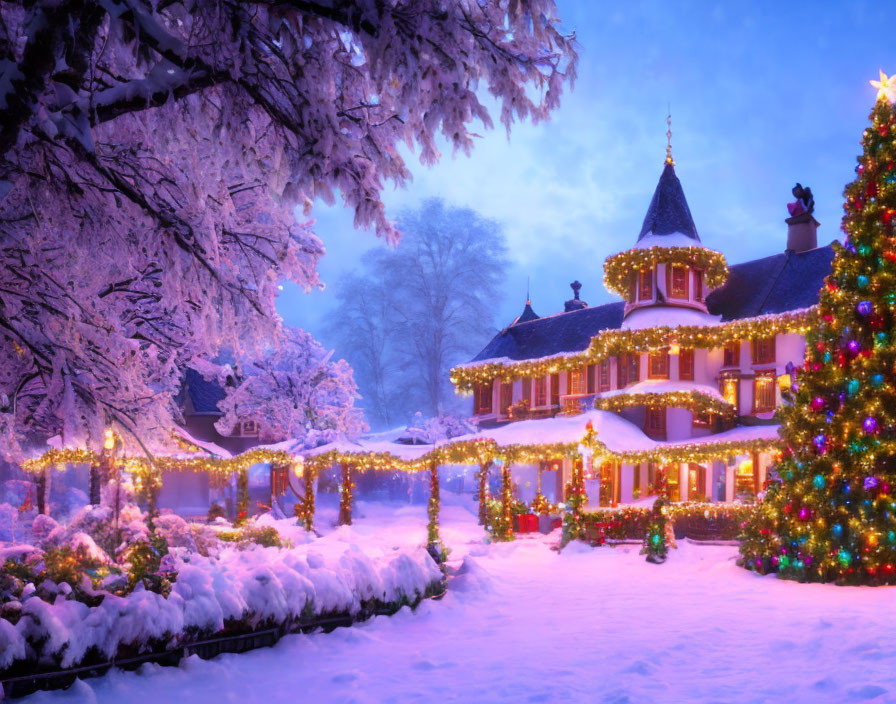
(295, 392)
(152, 154)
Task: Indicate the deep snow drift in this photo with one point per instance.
(523, 623)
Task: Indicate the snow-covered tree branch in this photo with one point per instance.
(152, 156)
(295, 391)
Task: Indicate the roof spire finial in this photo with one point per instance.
(528, 298)
(669, 159)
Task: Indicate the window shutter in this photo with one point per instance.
(590, 376)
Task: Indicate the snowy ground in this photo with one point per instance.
(524, 623)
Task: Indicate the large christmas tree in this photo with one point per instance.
(832, 514)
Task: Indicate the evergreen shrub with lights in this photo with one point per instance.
(656, 540)
(832, 518)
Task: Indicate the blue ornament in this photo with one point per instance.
(820, 441)
(891, 536)
(853, 387)
(837, 530)
(827, 357)
(862, 281)
(845, 558)
(877, 380)
(865, 308)
(818, 482)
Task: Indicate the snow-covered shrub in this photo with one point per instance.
(215, 511)
(41, 528)
(176, 531)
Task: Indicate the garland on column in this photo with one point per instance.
(657, 540)
(346, 495)
(576, 500)
(540, 503)
(501, 523)
(434, 540)
(242, 497)
(305, 508)
(483, 495)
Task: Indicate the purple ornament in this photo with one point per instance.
(865, 308)
(853, 347)
(821, 442)
(870, 483)
(817, 403)
(869, 425)
(804, 514)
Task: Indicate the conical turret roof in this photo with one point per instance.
(668, 213)
(527, 315)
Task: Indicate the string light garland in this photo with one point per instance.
(346, 495)
(613, 342)
(610, 343)
(620, 269)
(695, 401)
(434, 541)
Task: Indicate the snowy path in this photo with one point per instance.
(527, 624)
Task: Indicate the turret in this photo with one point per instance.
(666, 276)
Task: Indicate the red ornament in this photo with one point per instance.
(888, 215)
(871, 190)
(883, 130)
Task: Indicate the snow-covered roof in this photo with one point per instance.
(673, 239)
(209, 448)
(670, 316)
(610, 428)
(664, 386)
(742, 433)
(783, 283)
(373, 445)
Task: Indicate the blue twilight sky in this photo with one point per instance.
(762, 96)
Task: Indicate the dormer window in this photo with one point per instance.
(764, 350)
(658, 365)
(645, 285)
(677, 281)
(576, 382)
(248, 429)
(686, 365)
(604, 375)
(482, 399)
(731, 355)
(506, 398)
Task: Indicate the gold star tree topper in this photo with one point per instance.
(886, 87)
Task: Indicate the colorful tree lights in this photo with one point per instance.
(833, 515)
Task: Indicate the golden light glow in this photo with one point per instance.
(109, 439)
(886, 88)
(610, 343)
(620, 268)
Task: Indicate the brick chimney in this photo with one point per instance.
(802, 226)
